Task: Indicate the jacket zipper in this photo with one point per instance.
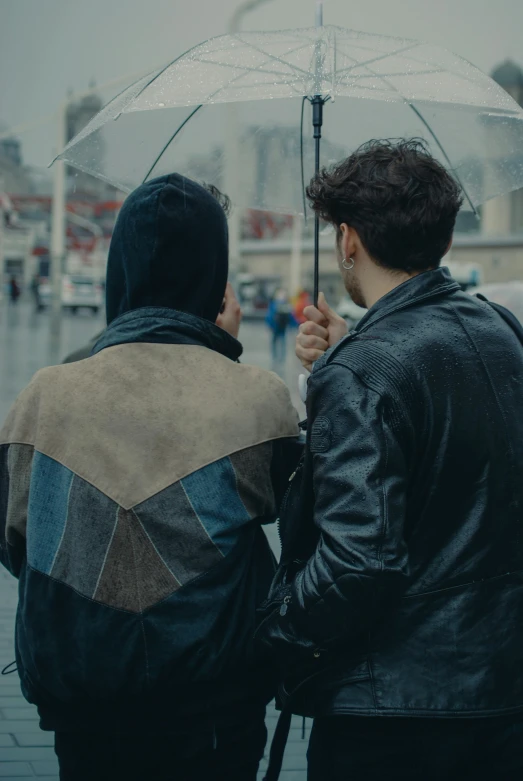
(286, 499)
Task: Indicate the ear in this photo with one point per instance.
(349, 241)
(449, 247)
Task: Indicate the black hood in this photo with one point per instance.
(169, 249)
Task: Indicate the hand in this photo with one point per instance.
(322, 329)
(230, 315)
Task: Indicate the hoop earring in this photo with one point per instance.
(348, 266)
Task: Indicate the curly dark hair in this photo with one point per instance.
(222, 198)
(401, 201)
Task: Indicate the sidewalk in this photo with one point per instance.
(27, 752)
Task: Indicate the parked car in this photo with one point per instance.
(77, 293)
(351, 312)
(508, 294)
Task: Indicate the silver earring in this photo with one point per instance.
(348, 266)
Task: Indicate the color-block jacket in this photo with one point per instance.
(133, 486)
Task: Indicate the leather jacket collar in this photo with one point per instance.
(429, 284)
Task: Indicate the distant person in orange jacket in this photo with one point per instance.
(302, 300)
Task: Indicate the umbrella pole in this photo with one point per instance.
(317, 121)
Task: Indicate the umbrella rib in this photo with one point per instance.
(253, 70)
(269, 56)
(194, 48)
(237, 78)
(244, 87)
(432, 133)
(162, 70)
(365, 63)
(85, 132)
(412, 59)
(279, 59)
(443, 152)
(334, 61)
(246, 68)
(125, 188)
(168, 144)
(412, 44)
(360, 76)
(180, 128)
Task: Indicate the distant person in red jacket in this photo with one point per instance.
(302, 300)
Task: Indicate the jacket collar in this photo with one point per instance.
(167, 326)
(429, 284)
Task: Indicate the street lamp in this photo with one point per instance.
(57, 254)
(232, 150)
(241, 11)
(58, 209)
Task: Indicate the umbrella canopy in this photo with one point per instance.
(173, 119)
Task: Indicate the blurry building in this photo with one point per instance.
(267, 155)
(504, 215)
(510, 76)
(80, 184)
(14, 178)
(207, 167)
(265, 158)
(92, 206)
(79, 113)
(10, 149)
(474, 258)
(16, 241)
(16, 245)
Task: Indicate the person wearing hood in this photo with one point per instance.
(133, 487)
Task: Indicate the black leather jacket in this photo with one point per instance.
(411, 600)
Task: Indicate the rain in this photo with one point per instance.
(293, 190)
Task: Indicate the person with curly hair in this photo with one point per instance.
(397, 612)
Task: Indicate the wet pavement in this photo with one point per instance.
(26, 346)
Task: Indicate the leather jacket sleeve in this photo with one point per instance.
(359, 480)
(286, 454)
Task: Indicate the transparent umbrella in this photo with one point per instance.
(368, 86)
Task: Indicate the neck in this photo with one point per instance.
(376, 282)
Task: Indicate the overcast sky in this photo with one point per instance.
(48, 46)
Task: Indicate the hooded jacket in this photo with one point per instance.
(133, 485)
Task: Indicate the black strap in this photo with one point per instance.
(9, 669)
(278, 744)
(510, 319)
(281, 734)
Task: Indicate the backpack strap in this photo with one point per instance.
(510, 319)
